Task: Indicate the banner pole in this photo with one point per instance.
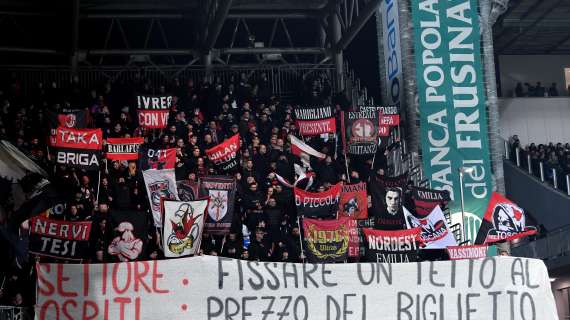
(300, 237)
(346, 165)
(98, 186)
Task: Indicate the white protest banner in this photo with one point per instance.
(206, 287)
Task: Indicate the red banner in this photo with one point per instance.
(77, 138)
(123, 148)
(383, 131)
(153, 119)
(354, 201)
(391, 120)
(316, 127)
(224, 155)
(467, 252)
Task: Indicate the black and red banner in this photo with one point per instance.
(386, 195)
(59, 239)
(188, 190)
(127, 235)
(221, 191)
(153, 111)
(353, 201)
(360, 132)
(78, 148)
(225, 155)
(328, 240)
(68, 119)
(150, 158)
(316, 120)
(123, 148)
(426, 199)
(503, 221)
(318, 204)
(392, 246)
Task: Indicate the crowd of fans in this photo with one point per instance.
(205, 114)
(528, 90)
(552, 156)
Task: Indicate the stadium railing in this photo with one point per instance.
(16, 313)
(554, 178)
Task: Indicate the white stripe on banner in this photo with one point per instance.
(208, 287)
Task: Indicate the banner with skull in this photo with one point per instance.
(183, 226)
(221, 191)
(160, 184)
(503, 220)
(435, 233)
(127, 235)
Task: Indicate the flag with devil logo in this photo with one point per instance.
(503, 220)
(183, 226)
(221, 191)
(127, 235)
(435, 233)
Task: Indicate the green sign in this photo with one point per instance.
(453, 120)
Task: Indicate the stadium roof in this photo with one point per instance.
(534, 27)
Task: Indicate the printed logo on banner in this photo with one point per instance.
(327, 241)
(183, 227)
(434, 231)
(159, 190)
(503, 220)
(160, 185)
(221, 192)
(360, 129)
(217, 208)
(157, 158)
(68, 119)
(353, 201)
(125, 245)
(129, 235)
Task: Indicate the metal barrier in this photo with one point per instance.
(16, 313)
(541, 172)
(555, 244)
